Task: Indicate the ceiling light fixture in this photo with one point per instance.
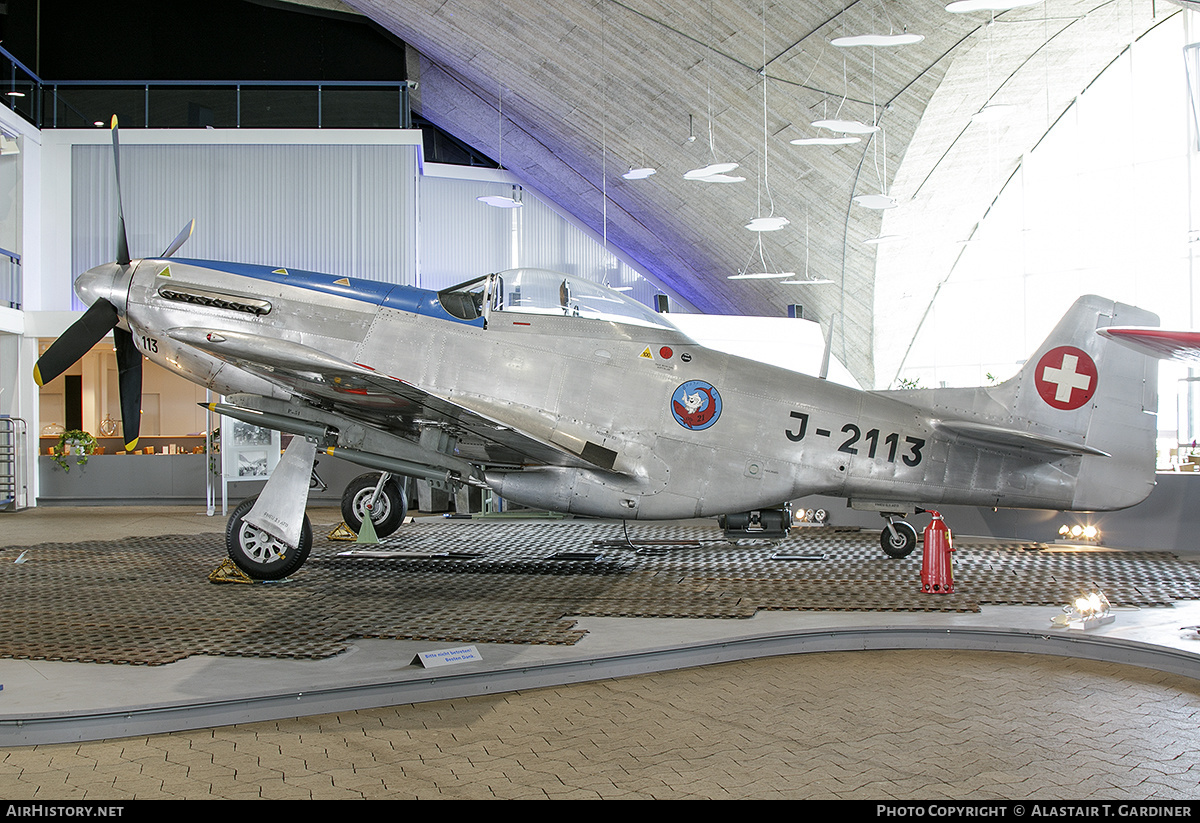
(826, 141)
(876, 201)
(771, 222)
(719, 178)
(807, 282)
(714, 172)
(808, 279)
(761, 275)
(884, 40)
(766, 273)
(640, 173)
(501, 201)
(711, 170)
(767, 223)
(966, 6)
(846, 126)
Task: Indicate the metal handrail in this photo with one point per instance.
(14, 489)
(11, 285)
(41, 86)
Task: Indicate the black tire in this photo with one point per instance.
(257, 553)
(390, 509)
(772, 521)
(903, 543)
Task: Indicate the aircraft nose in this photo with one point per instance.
(107, 281)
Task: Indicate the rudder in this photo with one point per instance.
(1084, 387)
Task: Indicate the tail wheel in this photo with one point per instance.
(900, 544)
(390, 509)
(259, 554)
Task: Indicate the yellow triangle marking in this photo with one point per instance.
(343, 532)
(166, 272)
(229, 573)
(345, 281)
(646, 354)
(280, 271)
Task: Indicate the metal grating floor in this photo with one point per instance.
(148, 601)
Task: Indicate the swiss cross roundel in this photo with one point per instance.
(1066, 377)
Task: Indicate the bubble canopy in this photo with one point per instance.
(541, 291)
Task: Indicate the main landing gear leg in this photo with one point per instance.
(269, 536)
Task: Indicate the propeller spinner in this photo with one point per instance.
(106, 289)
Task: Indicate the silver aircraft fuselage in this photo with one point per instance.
(617, 416)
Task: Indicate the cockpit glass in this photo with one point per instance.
(538, 291)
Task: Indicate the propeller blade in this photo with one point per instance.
(122, 238)
(129, 379)
(180, 239)
(75, 342)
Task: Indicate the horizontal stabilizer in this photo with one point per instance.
(1166, 344)
(1017, 438)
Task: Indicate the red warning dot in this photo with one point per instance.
(665, 352)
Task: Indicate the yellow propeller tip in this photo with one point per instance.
(114, 121)
(37, 376)
(131, 446)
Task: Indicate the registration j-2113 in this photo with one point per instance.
(874, 443)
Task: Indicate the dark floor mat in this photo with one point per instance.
(148, 601)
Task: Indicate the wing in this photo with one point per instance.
(362, 393)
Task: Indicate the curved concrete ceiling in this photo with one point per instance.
(593, 87)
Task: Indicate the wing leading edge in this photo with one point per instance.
(364, 394)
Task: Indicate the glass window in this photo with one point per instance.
(539, 291)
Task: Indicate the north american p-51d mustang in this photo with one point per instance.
(564, 395)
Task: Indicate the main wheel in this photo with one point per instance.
(390, 509)
(259, 554)
(903, 543)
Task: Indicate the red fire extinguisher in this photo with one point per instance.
(937, 576)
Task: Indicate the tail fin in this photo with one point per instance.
(1083, 388)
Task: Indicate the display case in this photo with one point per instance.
(158, 478)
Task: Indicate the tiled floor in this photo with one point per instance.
(868, 725)
(926, 724)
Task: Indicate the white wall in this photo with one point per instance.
(18, 394)
(319, 200)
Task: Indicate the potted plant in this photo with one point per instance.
(80, 442)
